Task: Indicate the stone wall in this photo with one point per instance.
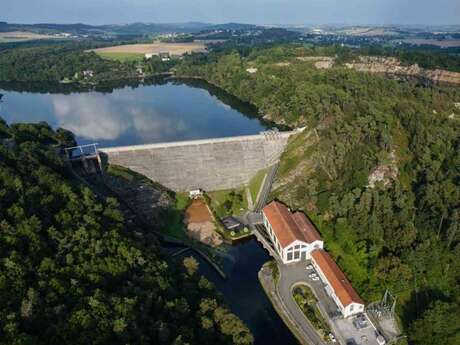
(210, 164)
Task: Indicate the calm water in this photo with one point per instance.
(145, 114)
(245, 295)
(157, 113)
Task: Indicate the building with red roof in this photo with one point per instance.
(296, 238)
(337, 284)
(292, 234)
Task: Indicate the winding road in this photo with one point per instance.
(289, 276)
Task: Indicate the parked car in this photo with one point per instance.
(311, 275)
(332, 338)
(309, 267)
(315, 279)
(380, 339)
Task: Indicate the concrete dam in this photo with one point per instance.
(209, 164)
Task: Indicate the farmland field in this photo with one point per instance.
(18, 36)
(154, 48)
(121, 56)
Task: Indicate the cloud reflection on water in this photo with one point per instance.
(107, 117)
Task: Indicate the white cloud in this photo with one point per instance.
(107, 117)
(91, 116)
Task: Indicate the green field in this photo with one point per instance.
(122, 57)
(228, 202)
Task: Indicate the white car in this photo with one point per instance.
(312, 275)
(309, 267)
(332, 338)
(315, 278)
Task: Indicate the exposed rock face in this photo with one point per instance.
(320, 62)
(384, 173)
(391, 65)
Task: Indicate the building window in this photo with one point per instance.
(351, 308)
(296, 255)
(316, 246)
(297, 247)
(289, 256)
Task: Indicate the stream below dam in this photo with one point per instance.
(163, 111)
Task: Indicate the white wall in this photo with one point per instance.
(292, 252)
(351, 309)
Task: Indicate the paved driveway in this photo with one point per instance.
(344, 329)
(289, 276)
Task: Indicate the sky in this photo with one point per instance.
(381, 12)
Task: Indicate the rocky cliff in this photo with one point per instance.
(390, 65)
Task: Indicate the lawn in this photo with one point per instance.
(228, 202)
(122, 57)
(182, 201)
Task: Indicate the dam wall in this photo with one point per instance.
(209, 164)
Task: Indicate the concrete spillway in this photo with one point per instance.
(210, 164)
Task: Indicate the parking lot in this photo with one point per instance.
(351, 331)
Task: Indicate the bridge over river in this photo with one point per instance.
(209, 164)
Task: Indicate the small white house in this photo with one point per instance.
(336, 284)
(292, 234)
(196, 193)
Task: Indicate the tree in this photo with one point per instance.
(439, 324)
(191, 265)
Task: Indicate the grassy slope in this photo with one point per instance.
(256, 183)
(218, 198)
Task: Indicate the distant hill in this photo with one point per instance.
(126, 29)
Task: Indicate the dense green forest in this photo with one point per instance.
(55, 63)
(73, 272)
(400, 232)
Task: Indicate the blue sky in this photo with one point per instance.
(245, 11)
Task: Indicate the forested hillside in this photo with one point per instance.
(67, 62)
(378, 169)
(72, 271)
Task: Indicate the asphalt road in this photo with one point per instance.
(289, 275)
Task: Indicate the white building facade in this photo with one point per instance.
(293, 235)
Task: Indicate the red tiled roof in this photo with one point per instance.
(336, 278)
(289, 227)
(306, 227)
